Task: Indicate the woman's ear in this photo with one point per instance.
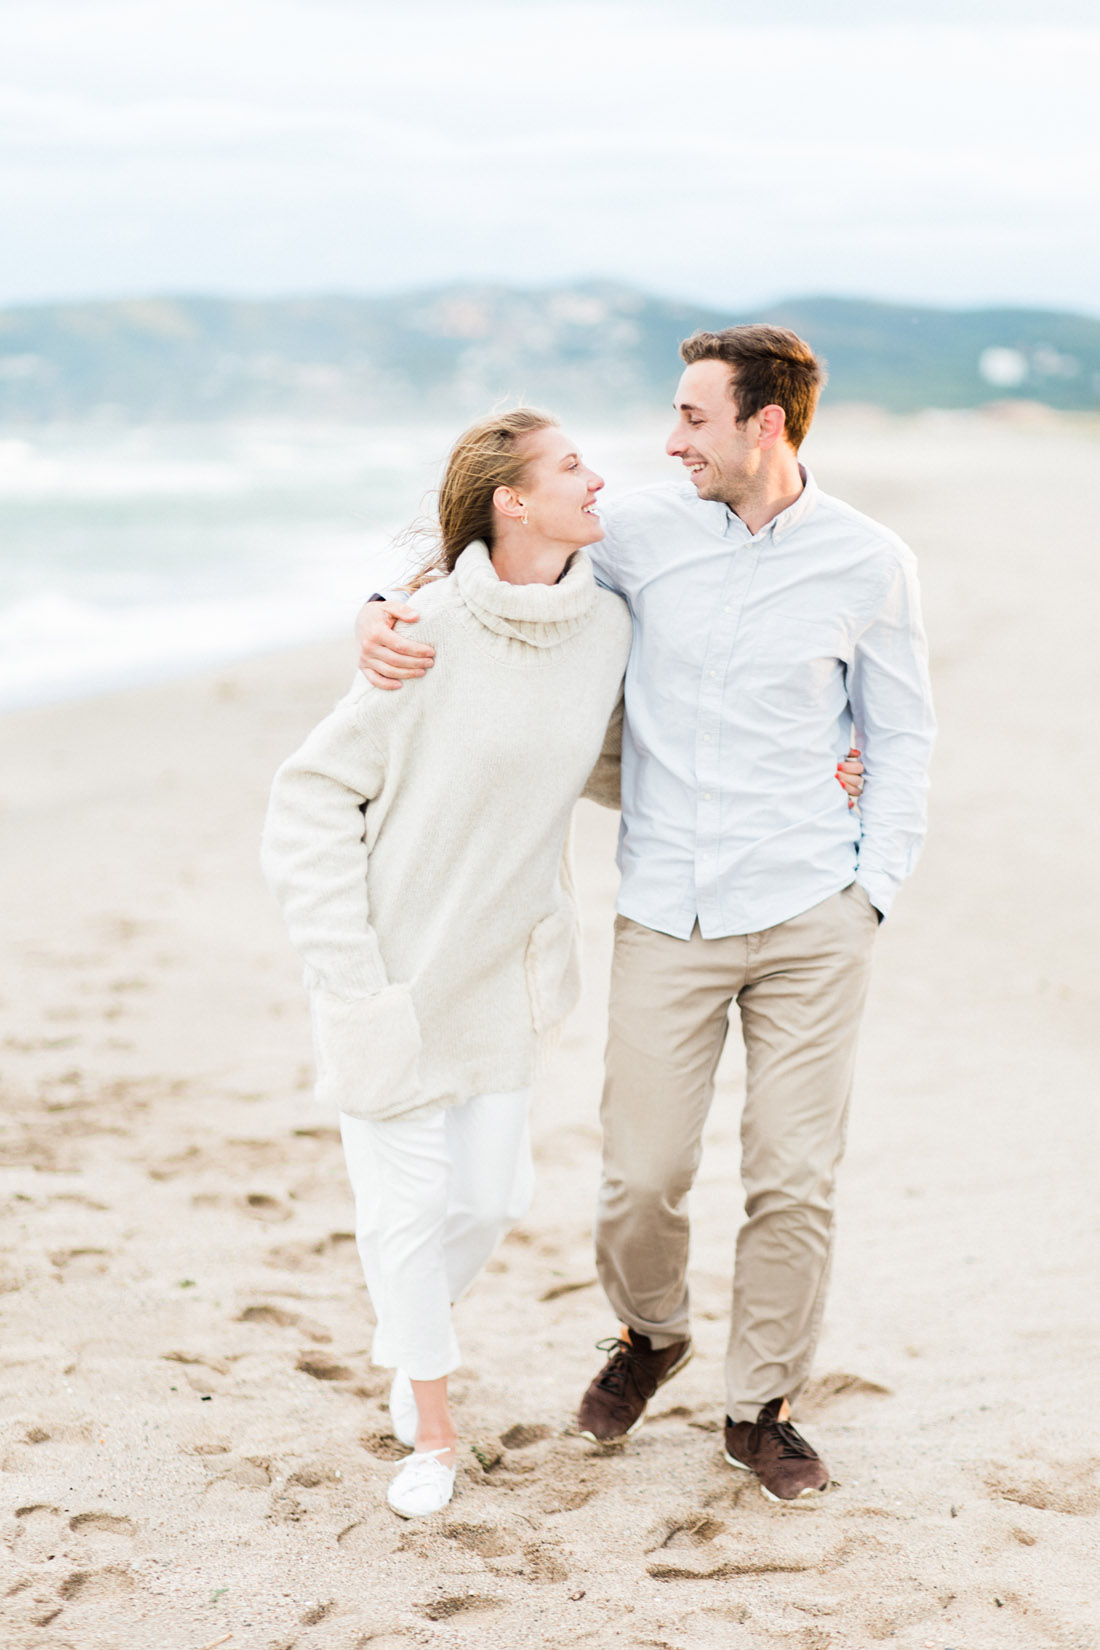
(507, 501)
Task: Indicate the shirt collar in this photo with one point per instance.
(797, 512)
(787, 519)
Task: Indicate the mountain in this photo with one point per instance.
(455, 351)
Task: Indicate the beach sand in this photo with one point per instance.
(194, 1444)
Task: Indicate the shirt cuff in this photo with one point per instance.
(879, 888)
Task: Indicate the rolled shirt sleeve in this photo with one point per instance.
(891, 700)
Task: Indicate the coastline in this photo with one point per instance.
(194, 1442)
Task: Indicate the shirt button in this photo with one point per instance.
(706, 738)
(712, 673)
(706, 796)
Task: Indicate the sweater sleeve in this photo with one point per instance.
(314, 853)
(604, 782)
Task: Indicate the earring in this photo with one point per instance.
(524, 520)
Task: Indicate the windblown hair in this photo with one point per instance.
(771, 366)
(490, 454)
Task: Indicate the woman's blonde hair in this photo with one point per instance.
(486, 456)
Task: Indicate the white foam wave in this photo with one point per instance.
(52, 647)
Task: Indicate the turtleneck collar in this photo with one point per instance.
(538, 615)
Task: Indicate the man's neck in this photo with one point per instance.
(777, 492)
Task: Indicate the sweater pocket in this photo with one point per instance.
(368, 1052)
(553, 969)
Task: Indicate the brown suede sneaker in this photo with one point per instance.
(613, 1408)
(789, 1469)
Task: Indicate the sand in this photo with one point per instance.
(194, 1444)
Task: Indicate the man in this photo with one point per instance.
(769, 620)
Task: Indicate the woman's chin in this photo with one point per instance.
(593, 534)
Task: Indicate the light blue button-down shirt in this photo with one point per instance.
(757, 659)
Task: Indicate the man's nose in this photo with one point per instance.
(674, 446)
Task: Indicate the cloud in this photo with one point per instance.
(277, 146)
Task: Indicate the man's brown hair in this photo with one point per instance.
(770, 366)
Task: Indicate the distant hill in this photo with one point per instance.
(595, 347)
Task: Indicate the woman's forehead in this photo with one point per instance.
(551, 444)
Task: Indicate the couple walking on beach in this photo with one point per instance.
(702, 653)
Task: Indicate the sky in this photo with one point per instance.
(944, 152)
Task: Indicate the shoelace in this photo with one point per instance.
(623, 1366)
(422, 1465)
(792, 1446)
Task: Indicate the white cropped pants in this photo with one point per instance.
(434, 1194)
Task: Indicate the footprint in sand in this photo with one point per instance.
(678, 1412)
(685, 1529)
(252, 1154)
(314, 1476)
(759, 1563)
(557, 1290)
(252, 1473)
(367, 1539)
(185, 1162)
(39, 1531)
(826, 1389)
(313, 1257)
(279, 1318)
(318, 1613)
(85, 1585)
(203, 1359)
(486, 1540)
(204, 1372)
(543, 1563)
(453, 1604)
(34, 1605)
(567, 1498)
(263, 1206)
(523, 1434)
(323, 1368)
(74, 1264)
(383, 1446)
(1071, 1487)
(330, 1137)
(102, 1524)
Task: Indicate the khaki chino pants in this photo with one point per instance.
(800, 988)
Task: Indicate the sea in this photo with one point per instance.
(128, 555)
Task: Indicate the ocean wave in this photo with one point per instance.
(53, 647)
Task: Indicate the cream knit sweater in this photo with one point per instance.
(418, 841)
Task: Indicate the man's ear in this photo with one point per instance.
(773, 425)
(506, 500)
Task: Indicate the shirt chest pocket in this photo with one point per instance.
(798, 663)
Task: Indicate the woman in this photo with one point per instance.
(418, 844)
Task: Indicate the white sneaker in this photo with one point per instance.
(423, 1485)
(404, 1417)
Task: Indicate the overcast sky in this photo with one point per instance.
(265, 147)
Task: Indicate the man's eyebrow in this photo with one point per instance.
(685, 406)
